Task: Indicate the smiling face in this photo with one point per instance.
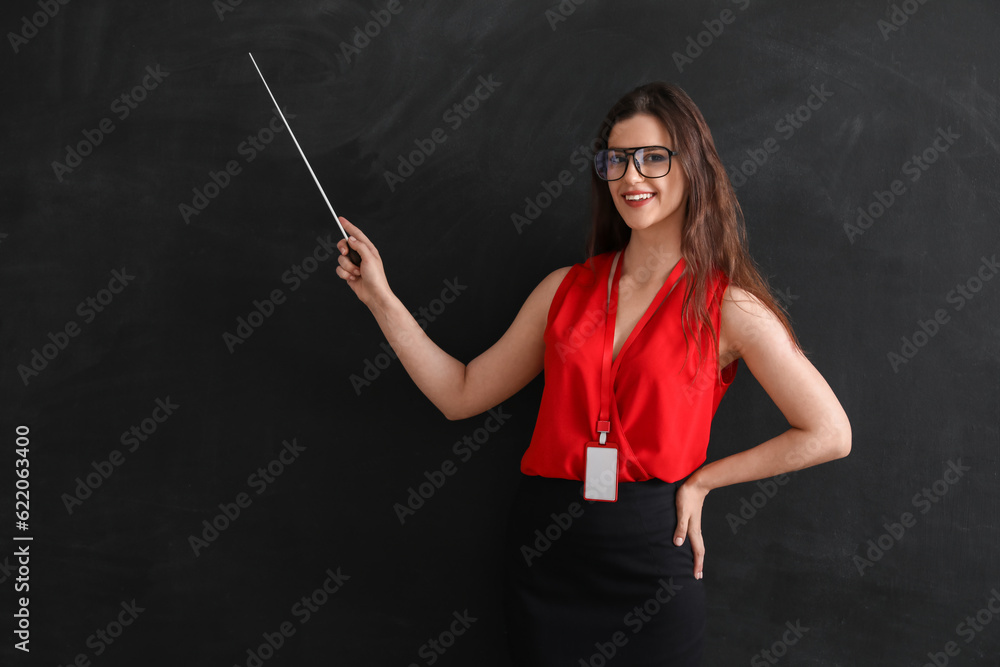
(641, 201)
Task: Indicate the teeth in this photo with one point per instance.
(645, 195)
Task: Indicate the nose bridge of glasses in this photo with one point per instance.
(636, 156)
(633, 162)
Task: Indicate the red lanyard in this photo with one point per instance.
(603, 419)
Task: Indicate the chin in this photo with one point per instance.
(641, 221)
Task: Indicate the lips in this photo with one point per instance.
(637, 198)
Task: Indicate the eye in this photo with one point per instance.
(654, 156)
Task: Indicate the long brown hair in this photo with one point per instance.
(714, 232)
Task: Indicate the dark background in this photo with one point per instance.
(852, 301)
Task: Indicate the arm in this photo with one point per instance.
(458, 390)
(820, 430)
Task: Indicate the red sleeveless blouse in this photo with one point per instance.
(661, 408)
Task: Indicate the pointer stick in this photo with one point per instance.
(351, 252)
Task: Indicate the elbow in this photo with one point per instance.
(842, 448)
(451, 406)
(841, 441)
(845, 447)
(828, 440)
(452, 413)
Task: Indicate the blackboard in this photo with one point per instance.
(219, 435)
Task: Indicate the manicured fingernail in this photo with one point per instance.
(678, 541)
(698, 576)
(353, 239)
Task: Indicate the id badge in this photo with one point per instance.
(601, 477)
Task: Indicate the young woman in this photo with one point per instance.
(639, 344)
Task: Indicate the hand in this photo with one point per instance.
(367, 281)
(689, 500)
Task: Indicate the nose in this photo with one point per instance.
(632, 174)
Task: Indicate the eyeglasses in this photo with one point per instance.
(650, 161)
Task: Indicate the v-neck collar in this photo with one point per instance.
(612, 304)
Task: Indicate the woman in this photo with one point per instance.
(611, 572)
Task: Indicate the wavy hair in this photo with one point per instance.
(714, 231)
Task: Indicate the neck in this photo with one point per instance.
(651, 254)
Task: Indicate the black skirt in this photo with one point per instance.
(597, 583)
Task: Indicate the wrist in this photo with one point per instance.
(698, 481)
(381, 300)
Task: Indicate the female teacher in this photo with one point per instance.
(638, 343)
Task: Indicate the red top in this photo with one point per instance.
(662, 408)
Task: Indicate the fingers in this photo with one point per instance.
(346, 275)
(362, 247)
(697, 547)
(681, 532)
(689, 527)
(346, 269)
(368, 280)
(352, 230)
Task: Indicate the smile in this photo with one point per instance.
(645, 195)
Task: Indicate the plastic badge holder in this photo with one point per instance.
(601, 477)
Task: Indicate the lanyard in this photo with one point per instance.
(603, 419)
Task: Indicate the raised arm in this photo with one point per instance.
(458, 390)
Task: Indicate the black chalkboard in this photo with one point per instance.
(220, 438)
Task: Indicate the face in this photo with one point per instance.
(644, 202)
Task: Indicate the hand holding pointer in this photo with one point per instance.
(367, 278)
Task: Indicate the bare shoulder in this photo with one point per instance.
(546, 290)
(745, 321)
(529, 325)
(535, 311)
(735, 297)
(554, 279)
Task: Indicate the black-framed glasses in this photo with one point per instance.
(650, 161)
